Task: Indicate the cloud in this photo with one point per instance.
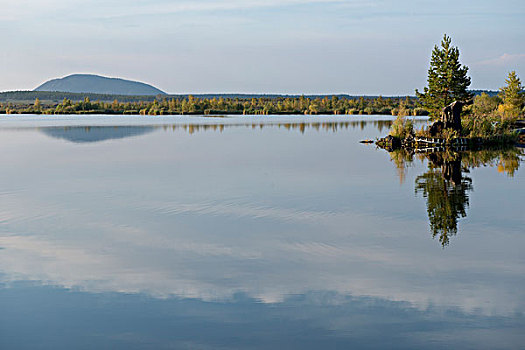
(502, 60)
(162, 8)
(23, 9)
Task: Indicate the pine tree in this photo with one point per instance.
(447, 79)
(512, 96)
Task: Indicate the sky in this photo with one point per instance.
(259, 46)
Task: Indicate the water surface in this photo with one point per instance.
(253, 232)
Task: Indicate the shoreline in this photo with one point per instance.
(217, 114)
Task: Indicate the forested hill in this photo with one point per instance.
(87, 83)
(57, 97)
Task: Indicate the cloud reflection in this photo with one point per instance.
(175, 215)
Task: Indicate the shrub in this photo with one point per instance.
(484, 104)
(385, 110)
(369, 110)
(449, 134)
(418, 111)
(402, 127)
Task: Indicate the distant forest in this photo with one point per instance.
(42, 102)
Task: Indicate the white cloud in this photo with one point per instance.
(24, 9)
(502, 60)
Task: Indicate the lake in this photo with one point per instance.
(254, 233)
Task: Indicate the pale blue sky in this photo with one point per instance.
(264, 46)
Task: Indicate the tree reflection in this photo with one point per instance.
(402, 159)
(446, 187)
(102, 133)
(446, 191)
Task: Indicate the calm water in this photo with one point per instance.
(253, 233)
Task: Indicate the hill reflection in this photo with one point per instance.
(88, 134)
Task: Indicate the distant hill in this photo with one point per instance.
(87, 83)
(56, 97)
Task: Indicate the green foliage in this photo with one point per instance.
(418, 111)
(449, 134)
(485, 105)
(447, 79)
(512, 96)
(219, 106)
(477, 126)
(56, 97)
(495, 116)
(402, 110)
(402, 127)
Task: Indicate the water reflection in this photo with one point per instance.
(445, 185)
(301, 126)
(88, 134)
(224, 235)
(446, 192)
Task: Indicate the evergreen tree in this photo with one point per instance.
(512, 96)
(447, 79)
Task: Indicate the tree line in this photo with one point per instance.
(221, 105)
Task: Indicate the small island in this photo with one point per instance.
(459, 120)
(465, 132)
